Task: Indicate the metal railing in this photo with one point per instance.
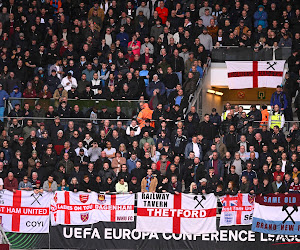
(195, 99)
(128, 106)
(236, 53)
(285, 128)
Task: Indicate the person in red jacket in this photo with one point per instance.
(163, 163)
(162, 12)
(10, 182)
(278, 172)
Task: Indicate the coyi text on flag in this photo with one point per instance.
(179, 213)
(236, 210)
(254, 74)
(68, 208)
(24, 211)
(277, 214)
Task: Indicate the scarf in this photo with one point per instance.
(148, 179)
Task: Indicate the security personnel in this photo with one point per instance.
(276, 119)
(226, 111)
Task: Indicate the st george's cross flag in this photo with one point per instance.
(24, 211)
(176, 213)
(254, 74)
(68, 208)
(237, 209)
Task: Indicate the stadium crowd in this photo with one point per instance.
(154, 52)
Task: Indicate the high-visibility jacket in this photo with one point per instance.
(264, 117)
(275, 120)
(145, 113)
(224, 115)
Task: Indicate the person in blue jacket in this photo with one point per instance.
(156, 87)
(16, 93)
(261, 17)
(3, 97)
(124, 38)
(279, 98)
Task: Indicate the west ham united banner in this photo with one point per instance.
(81, 208)
(277, 214)
(24, 212)
(254, 74)
(179, 213)
(236, 210)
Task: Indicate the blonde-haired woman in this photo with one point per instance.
(193, 188)
(74, 186)
(123, 150)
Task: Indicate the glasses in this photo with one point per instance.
(25, 179)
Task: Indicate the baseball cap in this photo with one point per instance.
(147, 120)
(203, 180)
(38, 182)
(59, 86)
(133, 178)
(42, 124)
(21, 139)
(40, 69)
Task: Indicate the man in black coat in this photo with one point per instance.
(207, 129)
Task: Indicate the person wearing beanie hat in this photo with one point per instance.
(261, 17)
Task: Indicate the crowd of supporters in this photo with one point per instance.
(154, 52)
(222, 155)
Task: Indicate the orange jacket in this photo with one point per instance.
(146, 113)
(265, 116)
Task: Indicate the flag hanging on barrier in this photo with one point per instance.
(254, 74)
(179, 213)
(236, 210)
(277, 214)
(24, 211)
(68, 208)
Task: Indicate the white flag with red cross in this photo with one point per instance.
(178, 213)
(254, 74)
(68, 208)
(24, 211)
(236, 210)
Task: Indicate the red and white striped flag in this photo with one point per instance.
(254, 74)
(179, 213)
(68, 208)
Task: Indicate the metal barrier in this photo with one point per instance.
(195, 99)
(129, 107)
(285, 128)
(235, 53)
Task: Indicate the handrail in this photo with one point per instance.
(269, 47)
(37, 99)
(195, 95)
(75, 118)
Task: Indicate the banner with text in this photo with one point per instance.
(68, 208)
(277, 214)
(178, 213)
(24, 211)
(109, 235)
(237, 210)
